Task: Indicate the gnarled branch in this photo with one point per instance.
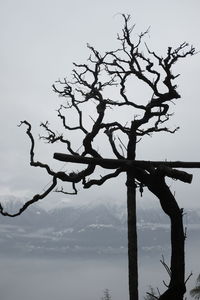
(35, 198)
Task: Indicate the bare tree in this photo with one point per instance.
(100, 93)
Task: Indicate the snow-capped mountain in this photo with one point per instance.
(67, 229)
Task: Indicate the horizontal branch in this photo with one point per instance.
(103, 162)
(109, 163)
(165, 167)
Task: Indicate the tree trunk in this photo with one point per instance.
(132, 239)
(131, 219)
(169, 205)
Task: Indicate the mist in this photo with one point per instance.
(76, 278)
(62, 279)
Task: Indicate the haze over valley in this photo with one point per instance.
(67, 242)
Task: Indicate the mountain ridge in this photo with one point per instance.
(71, 230)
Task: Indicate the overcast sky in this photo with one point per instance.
(39, 42)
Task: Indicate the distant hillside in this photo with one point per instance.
(85, 230)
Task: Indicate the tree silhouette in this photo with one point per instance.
(99, 103)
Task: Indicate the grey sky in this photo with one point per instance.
(39, 42)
